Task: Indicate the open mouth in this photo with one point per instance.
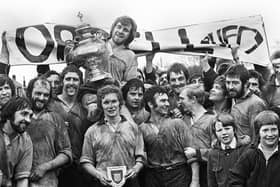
(111, 111)
(71, 89)
(39, 103)
(225, 138)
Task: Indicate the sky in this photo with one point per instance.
(148, 14)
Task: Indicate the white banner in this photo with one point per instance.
(44, 44)
(214, 38)
(39, 44)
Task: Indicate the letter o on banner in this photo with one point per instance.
(22, 46)
(60, 43)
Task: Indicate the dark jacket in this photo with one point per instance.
(220, 162)
(251, 170)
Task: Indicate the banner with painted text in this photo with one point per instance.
(44, 44)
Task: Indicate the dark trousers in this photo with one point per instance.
(179, 176)
(74, 176)
(203, 174)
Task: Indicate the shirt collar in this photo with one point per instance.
(103, 121)
(261, 148)
(232, 145)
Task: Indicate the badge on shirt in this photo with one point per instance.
(117, 175)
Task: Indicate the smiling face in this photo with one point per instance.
(235, 88)
(21, 120)
(40, 95)
(161, 106)
(162, 81)
(71, 84)
(121, 33)
(111, 105)
(254, 84)
(177, 81)
(5, 94)
(269, 135)
(225, 134)
(184, 101)
(217, 93)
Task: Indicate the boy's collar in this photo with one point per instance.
(232, 145)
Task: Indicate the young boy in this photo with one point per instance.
(259, 166)
(226, 151)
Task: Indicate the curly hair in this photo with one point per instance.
(102, 92)
(4, 79)
(72, 68)
(150, 93)
(125, 20)
(12, 106)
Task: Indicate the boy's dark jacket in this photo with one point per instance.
(252, 170)
(220, 162)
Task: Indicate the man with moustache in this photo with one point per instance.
(177, 76)
(51, 144)
(72, 112)
(165, 140)
(246, 105)
(133, 92)
(122, 33)
(16, 148)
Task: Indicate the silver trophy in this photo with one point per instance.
(89, 50)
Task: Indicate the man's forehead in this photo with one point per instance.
(89, 96)
(53, 77)
(253, 79)
(136, 89)
(41, 84)
(161, 95)
(176, 74)
(71, 74)
(124, 24)
(5, 84)
(110, 96)
(269, 126)
(233, 78)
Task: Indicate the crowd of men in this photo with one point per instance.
(215, 124)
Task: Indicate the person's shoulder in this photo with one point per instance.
(209, 115)
(92, 129)
(214, 152)
(130, 53)
(144, 125)
(256, 100)
(251, 151)
(176, 122)
(25, 139)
